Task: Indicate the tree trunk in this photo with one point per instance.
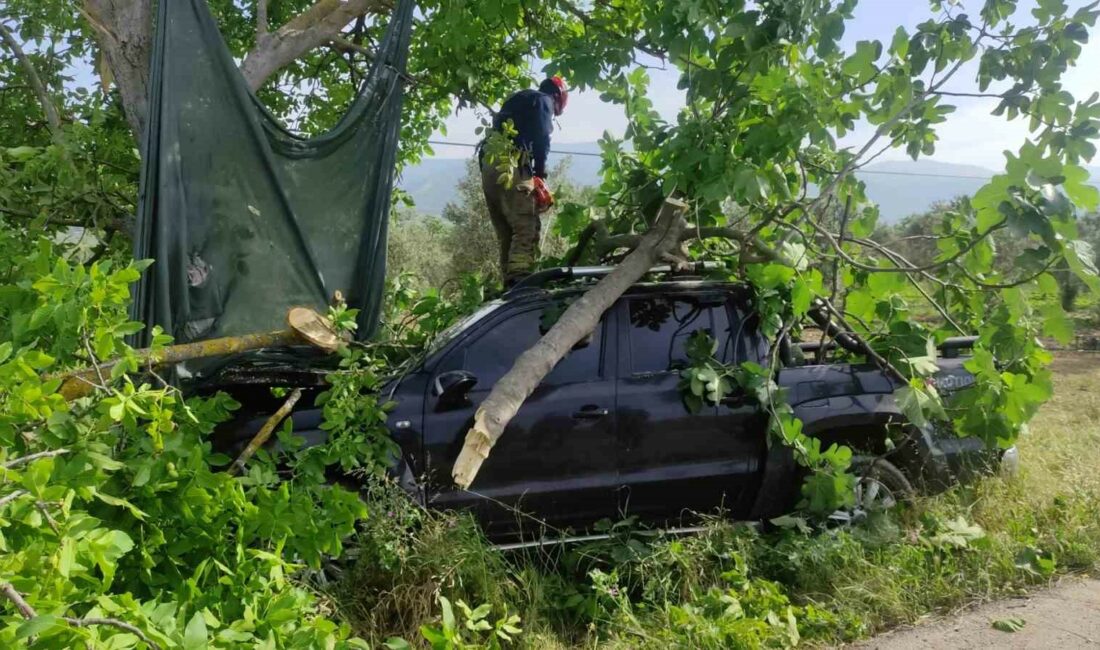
(125, 36)
(578, 321)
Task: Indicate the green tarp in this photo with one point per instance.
(243, 218)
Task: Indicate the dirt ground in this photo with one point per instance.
(1066, 617)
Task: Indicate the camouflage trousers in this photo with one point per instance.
(516, 221)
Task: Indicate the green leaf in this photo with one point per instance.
(37, 359)
(1080, 257)
(433, 636)
(957, 533)
(1083, 195)
(861, 64)
(22, 153)
(794, 254)
(1009, 625)
(917, 402)
(122, 503)
(448, 613)
(397, 643)
(1055, 323)
(37, 475)
(900, 43)
(790, 521)
(38, 625)
(195, 635)
(66, 555)
(481, 611)
(922, 366)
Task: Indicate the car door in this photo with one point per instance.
(673, 462)
(555, 463)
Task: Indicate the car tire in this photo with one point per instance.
(880, 486)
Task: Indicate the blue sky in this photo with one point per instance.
(970, 136)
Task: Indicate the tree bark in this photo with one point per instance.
(125, 35)
(579, 320)
(311, 28)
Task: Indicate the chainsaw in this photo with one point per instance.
(536, 187)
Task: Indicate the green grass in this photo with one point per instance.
(733, 587)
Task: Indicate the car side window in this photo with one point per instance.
(660, 327)
(738, 335)
(496, 350)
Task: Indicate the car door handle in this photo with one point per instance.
(737, 401)
(591, 412)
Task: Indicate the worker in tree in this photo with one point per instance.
(515, 210)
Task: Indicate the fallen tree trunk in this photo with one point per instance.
(579, 320)
(304, 326)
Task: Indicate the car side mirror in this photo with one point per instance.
(453, 388)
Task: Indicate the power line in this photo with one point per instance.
(862, 171)
(925, 174)
(474, 146)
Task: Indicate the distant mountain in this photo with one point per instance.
(432, 182)
(906, 187)
(900, 188)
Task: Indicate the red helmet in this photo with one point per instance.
(555, 86)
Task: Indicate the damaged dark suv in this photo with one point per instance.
(607, 434)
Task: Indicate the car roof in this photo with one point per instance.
(684, 286)
(564, 281)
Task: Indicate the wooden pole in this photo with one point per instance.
(265, 431)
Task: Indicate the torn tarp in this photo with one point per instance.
(243, 218)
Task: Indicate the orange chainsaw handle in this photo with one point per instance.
(544, 199)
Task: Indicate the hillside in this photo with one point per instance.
(900, 187)
(431, 183)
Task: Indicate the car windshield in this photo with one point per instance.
(461, 325)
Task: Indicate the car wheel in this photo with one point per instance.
(880, 486)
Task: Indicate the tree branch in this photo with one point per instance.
(113, 622)
(832, 313)
(9, 592)
(29, 458)
(261, 21)
(344, 45)
(28, 612)
(606, 244)
(587, 21)
(511, 390)
(12, 496)
(882, 130)
(836, 245)
(52, 118)
(312, 28)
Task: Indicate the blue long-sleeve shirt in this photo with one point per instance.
(532, 113)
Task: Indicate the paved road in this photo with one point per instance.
(1065, 617)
